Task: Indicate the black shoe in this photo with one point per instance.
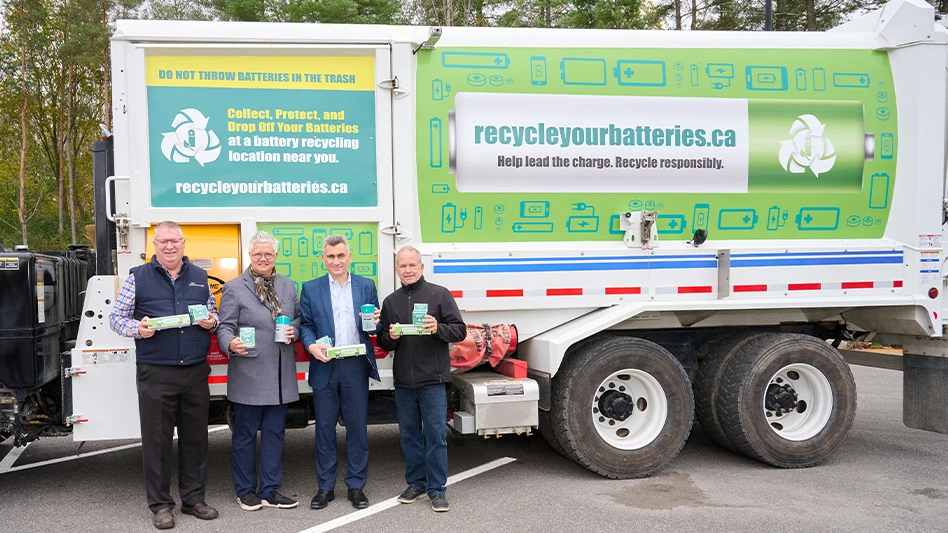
(279, 501)
(322, 499)
(201, 510)
(358, 499)
(411, 494)
(439, 503)
(249, 502)
(163, 519)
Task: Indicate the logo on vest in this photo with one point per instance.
(192, 284)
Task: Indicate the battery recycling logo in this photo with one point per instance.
(808, 149)
(190, 139)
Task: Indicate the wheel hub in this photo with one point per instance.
(781, 399)
(616, 405)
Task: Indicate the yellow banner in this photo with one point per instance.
(336, 73)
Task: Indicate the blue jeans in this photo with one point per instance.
(422, 422)
(271, 421)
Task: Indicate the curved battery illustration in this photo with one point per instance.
(572, 143)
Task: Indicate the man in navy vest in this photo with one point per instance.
(331, 306)
(172, 372)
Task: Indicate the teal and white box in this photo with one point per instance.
(323, 341)
(247, 336)
(352, 350)
(168, 322)
(408, 329)
(282, 324)
(198, 312)
(368, 317)
(418, 314)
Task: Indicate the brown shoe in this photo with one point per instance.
(202, 511)
(163, 519)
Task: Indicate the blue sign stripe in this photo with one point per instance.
(570, 267)
(810, 254)
(583, 259)
(816, 261)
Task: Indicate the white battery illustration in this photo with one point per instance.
(585, 143)
(544, 143)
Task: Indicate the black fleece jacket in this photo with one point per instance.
(421, 359)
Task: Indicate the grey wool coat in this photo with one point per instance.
(267, 374)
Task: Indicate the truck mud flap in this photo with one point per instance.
(925, 392)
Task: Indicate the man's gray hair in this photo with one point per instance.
(169, 225)
(335, 240)
(408, 248)
(262, 236)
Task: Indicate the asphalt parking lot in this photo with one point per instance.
(885, 477)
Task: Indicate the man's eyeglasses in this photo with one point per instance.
(267, 256)
(164, 242)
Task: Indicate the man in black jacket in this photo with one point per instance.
(421, 369)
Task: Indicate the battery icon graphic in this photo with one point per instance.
(534, 209)
(887, 146)
(766, 78)
(817, 219)
(850, 80)
(801, 79)
(776, 145)
(702, 212)
(737, 219)
(533, 227)
(437, 89)
(448, 218)
(819, 79)
(879, 191)
(583, 71)
(538, 70)
(641, 73)
(670, 224)
(582, 224)
(434, 142)
(475, 60)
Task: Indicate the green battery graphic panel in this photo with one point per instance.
(583, 71)
(879, 191)
(823, 145)
(474, 60)
(301, 260)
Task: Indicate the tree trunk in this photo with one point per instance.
(810, 15)
(694, 14)
(60, 175)
(677, 14)
(23, 145)
(447, 12)
(70, 163)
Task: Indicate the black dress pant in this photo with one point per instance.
(169, 396)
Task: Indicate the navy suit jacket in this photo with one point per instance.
(316, 310)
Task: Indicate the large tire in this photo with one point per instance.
(622, 407)
(707, 384)
(788, 400)
(546, 429)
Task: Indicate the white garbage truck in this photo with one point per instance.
(682, 226)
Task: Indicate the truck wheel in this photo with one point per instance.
(707, 383)
(546, 429)
(622, 407)
(787, 399)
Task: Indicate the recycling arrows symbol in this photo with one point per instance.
(807, 149)
(190, 139)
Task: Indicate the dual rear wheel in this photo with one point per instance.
(623, 407)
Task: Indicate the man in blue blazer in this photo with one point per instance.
(331, 306)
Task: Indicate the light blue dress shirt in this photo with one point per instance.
(343, 316)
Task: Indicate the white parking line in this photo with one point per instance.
(7, 467)
(11, 458)
(393, 502)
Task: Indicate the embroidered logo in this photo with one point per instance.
(192, 284)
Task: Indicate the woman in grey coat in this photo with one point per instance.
(261, 379)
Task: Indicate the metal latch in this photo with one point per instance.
(394, 86)
(74, 371)
(76, 419)
(395, 229)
